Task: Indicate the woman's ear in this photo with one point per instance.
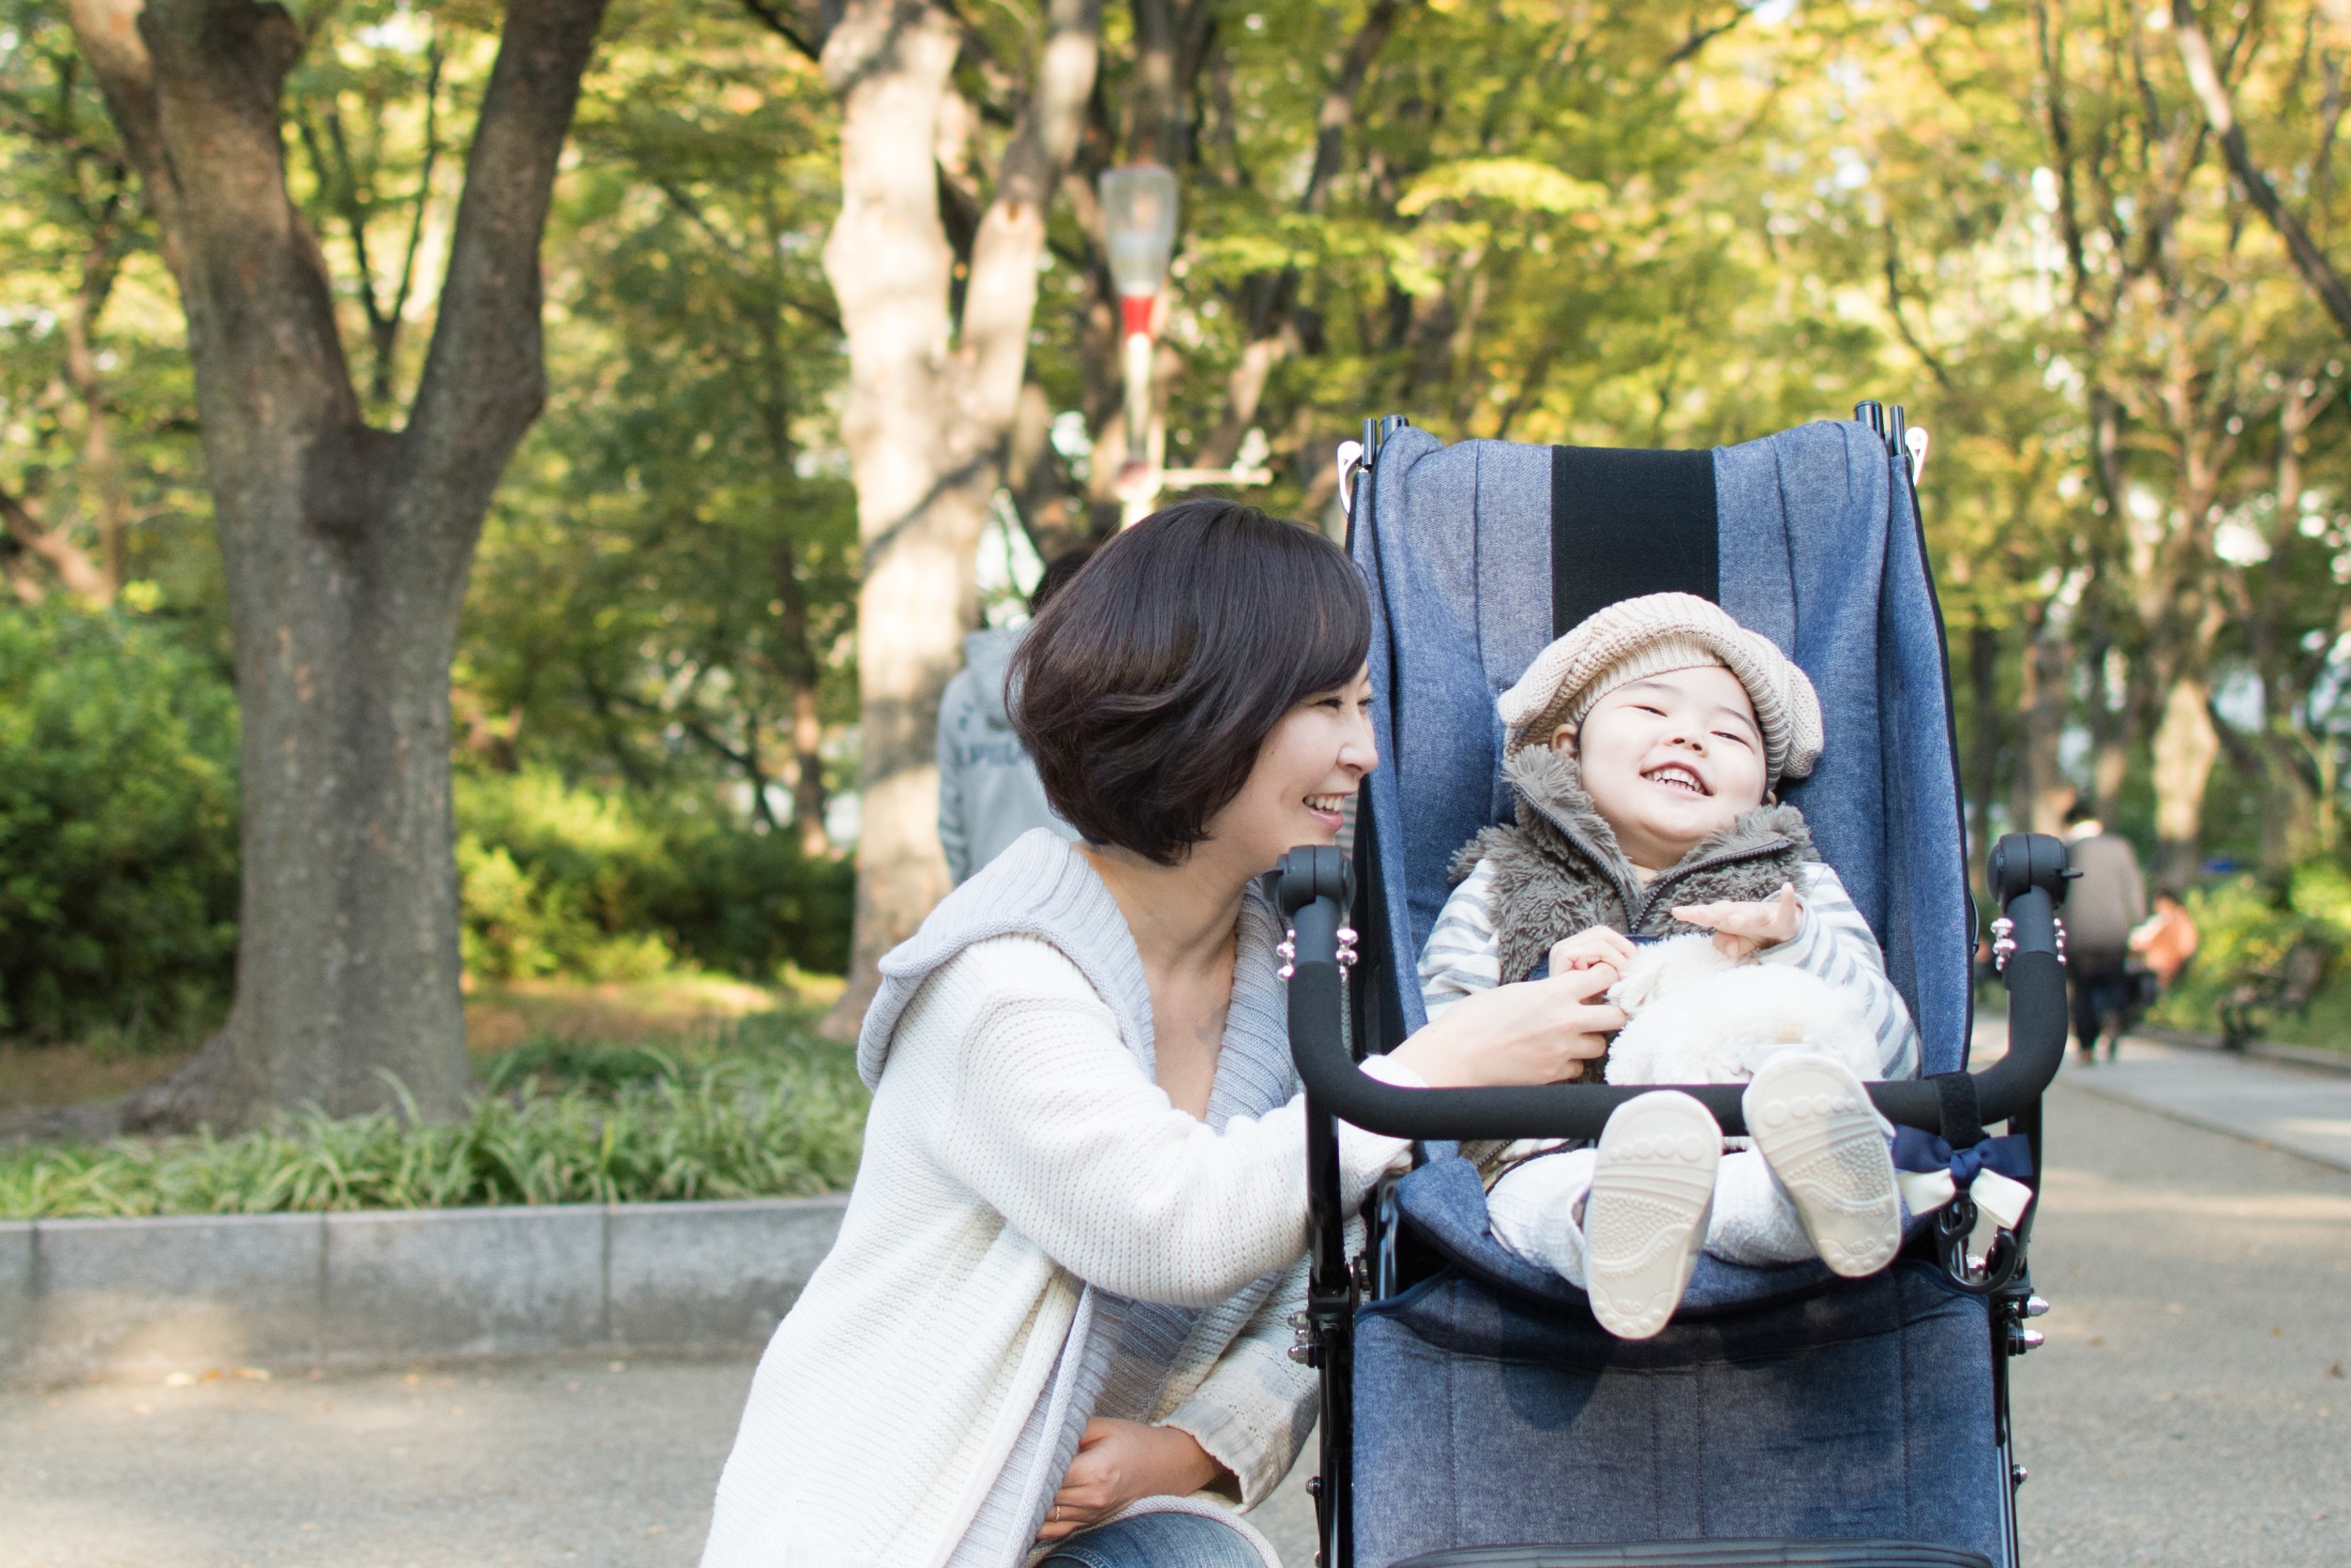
(1563, 739)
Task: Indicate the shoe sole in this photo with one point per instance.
(1813, 1123)
(1653, 1190)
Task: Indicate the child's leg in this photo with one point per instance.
(1536, 1210)
(1754, 1221)
(1624, 1220)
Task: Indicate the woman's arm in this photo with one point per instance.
(1052, 1124)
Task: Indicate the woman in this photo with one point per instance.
(1056, 1311)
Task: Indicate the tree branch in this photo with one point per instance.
(72, 564)
(485, 377)
(999, 301)
(2220, 112)
(809, 41)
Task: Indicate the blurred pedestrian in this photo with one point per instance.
(2103, 905)
(2165, 941)
(988, 792)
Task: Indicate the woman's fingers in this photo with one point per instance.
(1580, 984)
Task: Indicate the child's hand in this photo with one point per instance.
(1601, 945)
(1742, 929)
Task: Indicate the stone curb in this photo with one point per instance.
(83, 1298)
(2312, 1057)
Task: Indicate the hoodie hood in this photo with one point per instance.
(1043, 887)
(987, 654)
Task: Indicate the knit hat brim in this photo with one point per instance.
(1637, 639)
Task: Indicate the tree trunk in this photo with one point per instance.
(345, 547)
(2041, 793)
(2185, 746)
(927, 416)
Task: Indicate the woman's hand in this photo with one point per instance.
(1118, 1461)
(1534, 1032)
(1742, 929)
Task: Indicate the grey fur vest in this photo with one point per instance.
(1558, 869)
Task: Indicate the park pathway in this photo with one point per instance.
(2188, 1411)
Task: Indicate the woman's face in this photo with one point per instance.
(1306, 773)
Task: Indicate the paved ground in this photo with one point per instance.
(2190, 1409)
(2303, 1112)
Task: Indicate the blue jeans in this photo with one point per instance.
(1157, 1541)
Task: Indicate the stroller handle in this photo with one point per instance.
(1314, 889)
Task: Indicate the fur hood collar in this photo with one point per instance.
(1559, 869)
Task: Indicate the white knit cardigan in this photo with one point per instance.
(1019, 1150)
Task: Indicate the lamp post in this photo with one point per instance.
(1138, 222)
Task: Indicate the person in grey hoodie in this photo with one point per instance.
(989, 792)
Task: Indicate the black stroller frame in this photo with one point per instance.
(1323, 901)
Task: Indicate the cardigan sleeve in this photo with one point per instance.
(1255, 1409)
(1054, 1126)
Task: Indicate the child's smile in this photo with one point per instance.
(1669, 760)
(1676, 775)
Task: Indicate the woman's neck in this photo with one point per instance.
(1182, 917)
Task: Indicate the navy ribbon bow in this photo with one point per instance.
(1993, 1173)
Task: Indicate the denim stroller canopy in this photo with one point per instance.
(1805, 537)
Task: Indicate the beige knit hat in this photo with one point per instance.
(1634, 638)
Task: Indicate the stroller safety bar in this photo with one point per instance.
(1315, 887)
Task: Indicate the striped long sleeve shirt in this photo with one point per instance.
(1832, 941)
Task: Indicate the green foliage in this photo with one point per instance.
(118, 881)
(620, 886)
(2247, 926)
(664, 593)
(774, 1112)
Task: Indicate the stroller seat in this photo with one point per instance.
(1474, 1411)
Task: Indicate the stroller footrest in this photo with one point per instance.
(1708, 1554)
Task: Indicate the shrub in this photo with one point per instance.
(118, 828)
(563, 880)
(772, 1113)
(2245, 925)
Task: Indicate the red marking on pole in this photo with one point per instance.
(1134, 315)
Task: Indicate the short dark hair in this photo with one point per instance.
(2084, 810)
(1057, 575)
(1145, 687)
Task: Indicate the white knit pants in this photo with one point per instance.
(1536, 1210)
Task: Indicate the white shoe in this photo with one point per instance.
(1652, 1189)
(1813, 1123)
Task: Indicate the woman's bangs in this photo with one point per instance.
(1331, 623)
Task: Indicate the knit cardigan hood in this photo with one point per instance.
(1559, 870)
(1043, 887)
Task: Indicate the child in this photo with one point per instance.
(1646, 748)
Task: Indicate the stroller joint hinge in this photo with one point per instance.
(2014, 1310)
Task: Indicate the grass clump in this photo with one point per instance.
(765, 1110)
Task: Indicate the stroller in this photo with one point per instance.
(1473, 1410)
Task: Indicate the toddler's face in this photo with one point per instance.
(1669, 760)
